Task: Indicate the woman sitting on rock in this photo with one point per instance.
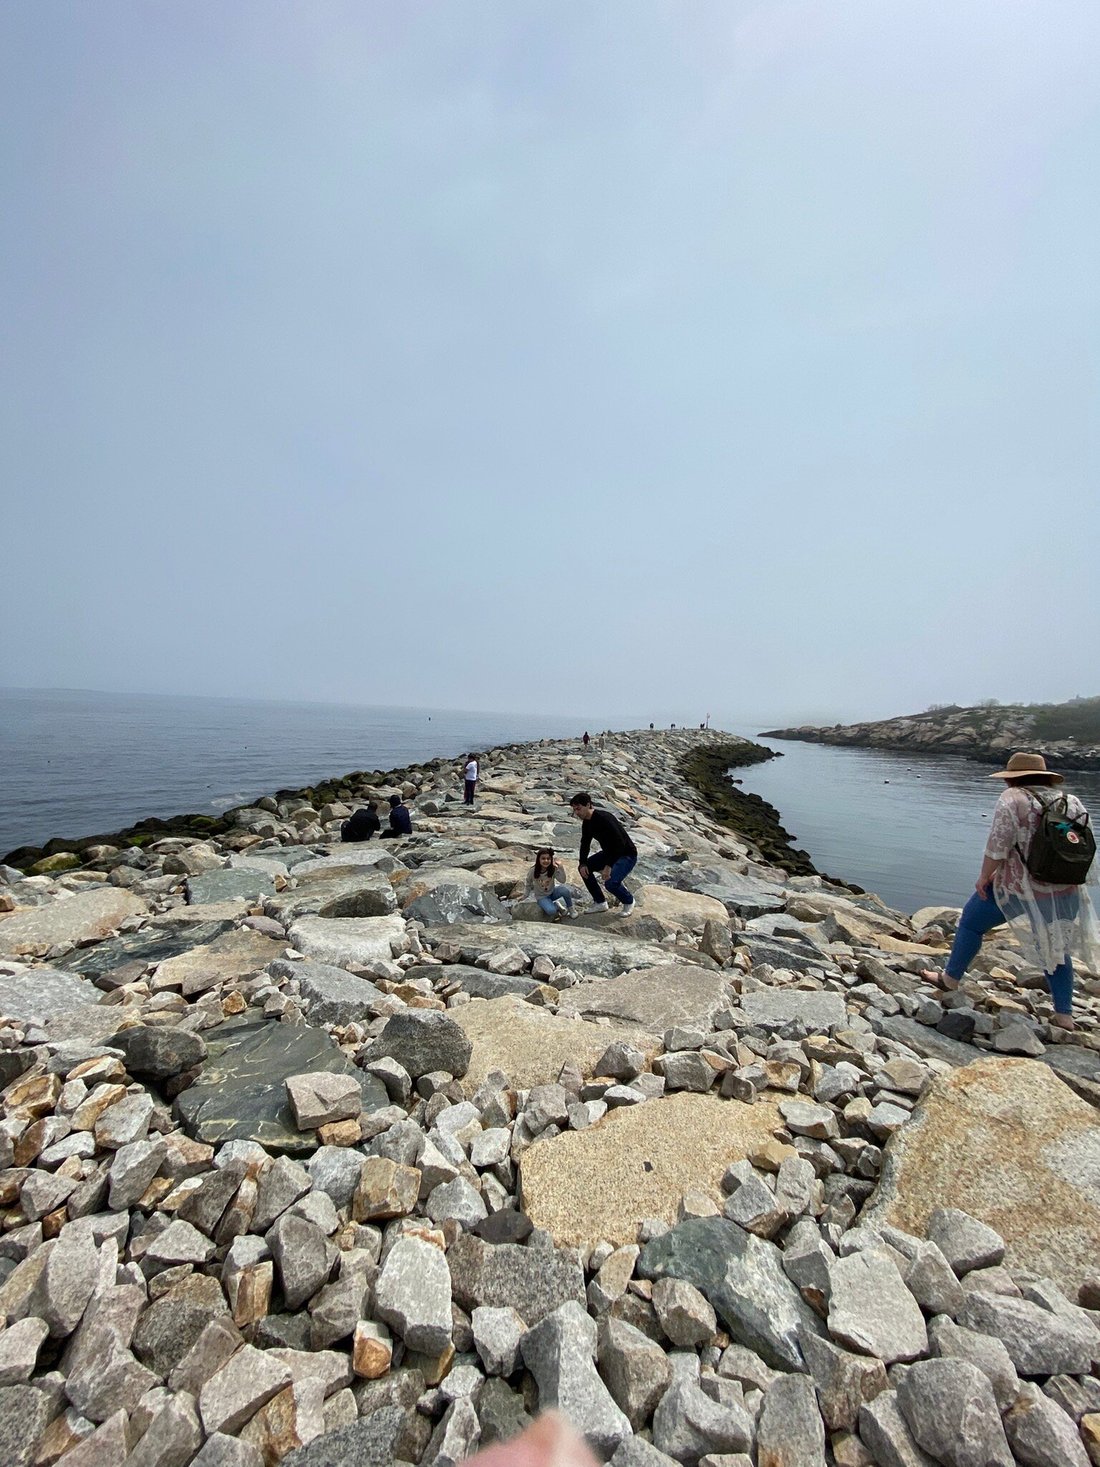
(1050, 922)
(546, 882)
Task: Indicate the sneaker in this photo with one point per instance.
(560, 903)
(624, 909)
(600, 907)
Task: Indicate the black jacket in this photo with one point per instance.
(401, 820)
(362, 825)
(609, 834)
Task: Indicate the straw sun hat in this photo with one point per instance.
(1026, 764)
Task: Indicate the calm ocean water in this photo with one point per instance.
(910, 828)
(80, 763)
(77, 763)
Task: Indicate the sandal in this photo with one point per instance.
(940, 979)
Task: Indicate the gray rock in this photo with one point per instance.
(1041, 1434)
(655, 999)
(304, 1256)
(281, 1184)
(871, 1310)
(951, 1411)
(451, 903)
(688, 1425)
(965, 1242)
(497, 1333)
(500, 1412)
(228, 886)
(239, 1095)
(180, 1242)
(456, 1436)
(413, 1295)
(334, 1170)
(534, 1281)
(635, 1451)
(818, 1011)
(932, 1282)
(422, 1040)
(743, 1278)
(951, 1341)
(684, 1314)
(228, 1451)
(24, 1415)
(19, 1346)
(844, 1381)
(329, 994)
(790, 1432)
(560, 1353)
(321, 1097)
(65, 1284)
(372, 1441)
(171, 1325)
(158, 1052)
(884, 1432)
(236, 1392)
(133, 1168)
(1038, 1342)
(685, 1070)
(172, 1437)
(636, 1369)
(456, 1200)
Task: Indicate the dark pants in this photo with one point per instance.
(619, 869)
(468, 796)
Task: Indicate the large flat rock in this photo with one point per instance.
(655, 999)
(530, 1044)
(240, 1094)
(742, 896)
(236, 954)
(584, 1186)
(228, 885)
(688, 909)
(341, 940)
(602, 954)
(1008, 1142)
(86, 917)
(37, 994)
(476, 981)
(928, 1042)
(365, 893)
(813, 1007)
(151, 945)
(329, 995)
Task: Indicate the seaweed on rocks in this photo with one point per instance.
(706, 769)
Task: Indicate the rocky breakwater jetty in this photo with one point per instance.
(988, 733)
(327, 1155)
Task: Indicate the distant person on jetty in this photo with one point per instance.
(1051, 920)
(400, 820)
(547, 884)
(615, 859)
(586, 740)
(470, 776)
(363, 824)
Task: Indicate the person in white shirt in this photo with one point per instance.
(471, 779)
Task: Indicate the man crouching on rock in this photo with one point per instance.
(615, 859)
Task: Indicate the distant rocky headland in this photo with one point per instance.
(1066, 734)
(347, 1155)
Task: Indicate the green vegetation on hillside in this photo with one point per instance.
(1079, 720)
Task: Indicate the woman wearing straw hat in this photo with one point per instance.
(1051, 922)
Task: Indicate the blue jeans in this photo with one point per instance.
(982, 914)
(619, 870)
(547, 902)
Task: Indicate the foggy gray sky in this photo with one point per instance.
(531, 354)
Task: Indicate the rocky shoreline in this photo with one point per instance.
(985, 734)
(327, 1155)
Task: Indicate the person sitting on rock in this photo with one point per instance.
(616, 857)
(363, 824)
(400, 820)
(546, 883)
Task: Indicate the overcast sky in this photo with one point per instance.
(539, 355)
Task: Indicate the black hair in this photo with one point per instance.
(372, 804)
(1038, 777)
(394, 800)
(583, 798)
(543, 851)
